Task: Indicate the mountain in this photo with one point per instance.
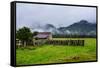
(82, 27)
(50, 28)
(46, 28)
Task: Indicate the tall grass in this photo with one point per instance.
(57, 54)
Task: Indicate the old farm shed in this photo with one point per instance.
(44, 35)
(41, 38)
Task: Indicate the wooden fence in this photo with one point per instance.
(66, 42)
(56, 42)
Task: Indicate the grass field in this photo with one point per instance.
(57, 54)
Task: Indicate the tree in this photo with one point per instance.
(24, 34)
(35, 33)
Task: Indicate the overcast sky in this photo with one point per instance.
(33, 14)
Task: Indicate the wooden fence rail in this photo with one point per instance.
(66, 42)
(56, 42)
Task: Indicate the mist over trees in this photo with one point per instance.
(81, 29)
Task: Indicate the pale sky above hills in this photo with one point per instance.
(37, 14)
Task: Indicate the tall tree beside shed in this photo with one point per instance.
(24, 34)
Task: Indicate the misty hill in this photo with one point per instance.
(82, 27)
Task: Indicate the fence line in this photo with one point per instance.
(56, 42)
(66, 42)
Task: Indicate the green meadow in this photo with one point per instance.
(47, 54)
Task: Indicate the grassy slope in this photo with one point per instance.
(57, 54)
